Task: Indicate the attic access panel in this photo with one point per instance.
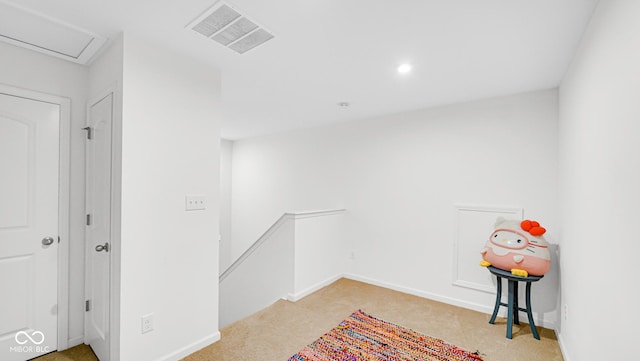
(28, 29)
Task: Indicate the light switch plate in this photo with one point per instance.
(195, 202)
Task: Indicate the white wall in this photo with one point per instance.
(170, 148)
(34, 71)
(263, 277)
(226, 149)
(321, 254)
(600, 174)
(299, 254)
(399, 177)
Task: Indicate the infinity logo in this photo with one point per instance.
(22, 341)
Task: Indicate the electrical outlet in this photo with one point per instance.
(147, 323)
(566, 311)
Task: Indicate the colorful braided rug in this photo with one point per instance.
(364, 337)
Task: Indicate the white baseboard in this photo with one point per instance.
(191, 348)
(488, 309)
(294, 297)
(423, 294)
(75, 341)
(563, 346)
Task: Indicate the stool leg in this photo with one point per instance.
(510, 309)
(531, 324)
(516, 307)
(498, 298)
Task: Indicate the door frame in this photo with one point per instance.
(64, 207)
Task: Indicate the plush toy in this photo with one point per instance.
(517, 246)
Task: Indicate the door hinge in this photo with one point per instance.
(87, 305)
(89, 132)
(88, 222)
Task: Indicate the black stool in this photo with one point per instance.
(512, 305)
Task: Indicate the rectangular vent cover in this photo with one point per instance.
(28, 29)
(227, 26)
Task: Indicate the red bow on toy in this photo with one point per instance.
(532, 227)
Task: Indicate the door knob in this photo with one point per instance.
(102, 247)
(47, 241)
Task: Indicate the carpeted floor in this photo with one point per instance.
(281, 330)
(78, 353)
(284, 328)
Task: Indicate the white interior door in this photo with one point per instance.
(98, 233)
(29, 183)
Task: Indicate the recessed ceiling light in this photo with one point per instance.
(404, 68)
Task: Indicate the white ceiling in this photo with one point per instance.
(330, 51)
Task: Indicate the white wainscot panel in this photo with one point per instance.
(473, 226)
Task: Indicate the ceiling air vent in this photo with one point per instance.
(22, 27)
(226, 25)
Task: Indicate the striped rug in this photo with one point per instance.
(364, 337)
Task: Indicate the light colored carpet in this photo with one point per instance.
(77, 353)
(279, 331)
